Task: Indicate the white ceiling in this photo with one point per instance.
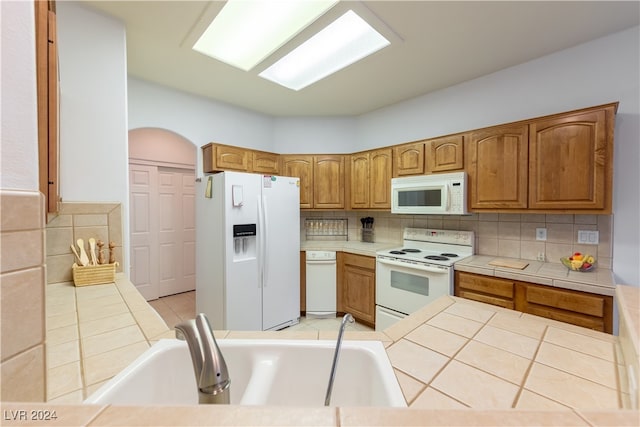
(435, 44)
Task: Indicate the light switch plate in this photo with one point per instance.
(588, 237)
(541, 234)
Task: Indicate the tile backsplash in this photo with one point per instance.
(505, 235)
(102, 221)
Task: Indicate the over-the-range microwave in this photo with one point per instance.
(439, 194)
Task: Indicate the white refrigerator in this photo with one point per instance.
(248, 251)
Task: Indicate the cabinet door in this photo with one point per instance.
(358, 287)
(408, 159)
(570, 161)
(231, 158)
(444, 154)
(263, 162)
(328, 182)
(46, 57)
(301, 167)
(380, 168)
(359, 181)
(578, 308)
(498, 167)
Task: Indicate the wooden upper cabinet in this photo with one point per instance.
(444, 154)
(328, 182)
(300, 166)
(408, 159)
(47, 101)
(380, 169)
(263, 162)
(570, 161)
(370, 179)
(219, 157)
(232, 158)
(498, 167)
(359, 182)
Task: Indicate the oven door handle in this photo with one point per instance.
(414, 266)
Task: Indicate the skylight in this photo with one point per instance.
(346, 40)
(245, 32)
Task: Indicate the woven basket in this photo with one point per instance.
(93, 274)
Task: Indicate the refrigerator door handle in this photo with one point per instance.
(260, 243)
(265, 240)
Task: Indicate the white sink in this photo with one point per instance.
(262, 372)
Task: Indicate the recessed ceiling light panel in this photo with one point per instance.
(245, 32)
(346, 40)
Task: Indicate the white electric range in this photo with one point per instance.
(420, 271)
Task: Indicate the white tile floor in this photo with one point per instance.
(177, 308)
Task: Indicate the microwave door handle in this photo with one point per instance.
(414, 266)
(448, 198)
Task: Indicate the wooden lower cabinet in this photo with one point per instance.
(584, 309)
(357, 287)
(578, 308)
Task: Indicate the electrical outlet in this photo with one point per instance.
(588, 237)
(541, 234)
(541, 256)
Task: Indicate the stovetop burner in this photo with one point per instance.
(437, 257)
(431, 247)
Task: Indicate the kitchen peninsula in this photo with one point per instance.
(517, 369)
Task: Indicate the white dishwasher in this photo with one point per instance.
(321, 284)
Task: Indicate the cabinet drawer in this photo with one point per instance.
(489, 285)
(488, 299)
(366, 262)
(595, 323)
(592, 305)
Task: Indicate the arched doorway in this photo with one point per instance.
(162, 212)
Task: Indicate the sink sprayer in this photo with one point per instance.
(347, 318)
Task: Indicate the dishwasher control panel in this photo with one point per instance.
(321, 255)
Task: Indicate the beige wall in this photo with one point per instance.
(507, 235)
(102, 221)
(22, 280)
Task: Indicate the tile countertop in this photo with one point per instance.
(599, 281)
(351, 246)
(458, 362)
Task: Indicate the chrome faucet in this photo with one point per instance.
(347, 318)
(209, 366)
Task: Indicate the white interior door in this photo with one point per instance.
(176, 230)
(143, 226)
(162, 212)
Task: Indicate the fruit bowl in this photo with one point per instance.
(579, 262)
